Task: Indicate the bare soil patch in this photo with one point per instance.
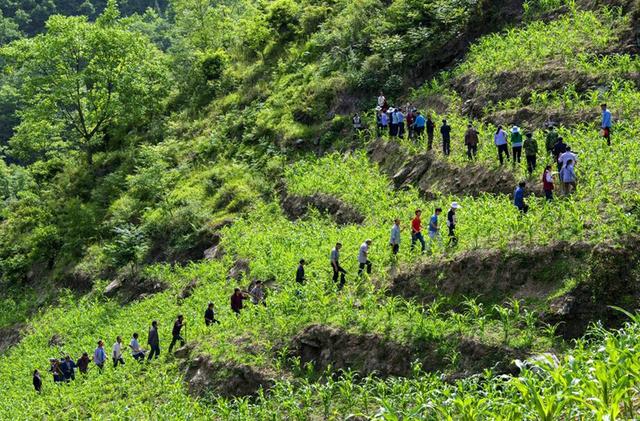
(296, 207)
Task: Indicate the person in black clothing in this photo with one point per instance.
(58, 377)
(300, 278)
(335, 266)
(210, 316)
(83, 363)
(153, 341)
(177, 327)
(558, 149)
(451, 223)
(430, 129)
(67, 367)
(37, 381)
(445, 130)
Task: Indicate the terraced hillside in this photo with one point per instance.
(250, 165)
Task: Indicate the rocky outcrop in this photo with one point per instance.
(296, 207)
(432, 176)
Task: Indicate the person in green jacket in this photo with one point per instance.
(516, 144)
(551, 139)
(530, 152)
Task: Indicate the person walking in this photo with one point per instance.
(136, 350)
(606, 123)
(445, 131)
(418, 126)
(210, 315)
(434, 228)
(516, 144)
(471, 141)
(300, 276)
(363, 257)
(335, 266)
(153, 340)
(416, 231)
(451, 223)
(394, 241)
(500, 140)
(37, 381)
(530, 152)
(237, 299)
(518, 198)
(547, 183)
(54, 369)
(558, 149)
(568, 177)
(551, 139)
(384, 123)
(431, 127)
(100, 356)
(567, 156)
(400, 123)
(68, 368)
(175, 332)
(393, 127)
(257, 294)
(116, 352)
(410, 118)
(83, 363)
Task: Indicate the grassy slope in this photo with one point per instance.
(601, 209)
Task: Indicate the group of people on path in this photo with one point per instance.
(364, 263)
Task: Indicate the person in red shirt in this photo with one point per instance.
(236, 300)
(416, 231)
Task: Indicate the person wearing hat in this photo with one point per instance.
(363, 257)
(393, 126)
(500, 140)
(445, 131)
(530, 152)
(451, 223)
(516, 144)
(300, 277)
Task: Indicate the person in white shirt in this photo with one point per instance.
(136, 352)
(566, 157)
(500, 140)
(117, 352)
(363, 257)
(394, 241)
(382, 101)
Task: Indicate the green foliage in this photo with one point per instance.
(82, 81)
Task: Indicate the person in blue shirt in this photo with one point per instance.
(418, 125)
(434, 228)
(68, 366)
(399, 122)
(100, 356)
(518, 198)
(606, 123)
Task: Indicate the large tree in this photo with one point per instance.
(82, 80)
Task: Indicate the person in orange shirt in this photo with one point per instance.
(416, 231)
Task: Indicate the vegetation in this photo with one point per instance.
(135, 139)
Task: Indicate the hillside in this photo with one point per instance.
(157, 161)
